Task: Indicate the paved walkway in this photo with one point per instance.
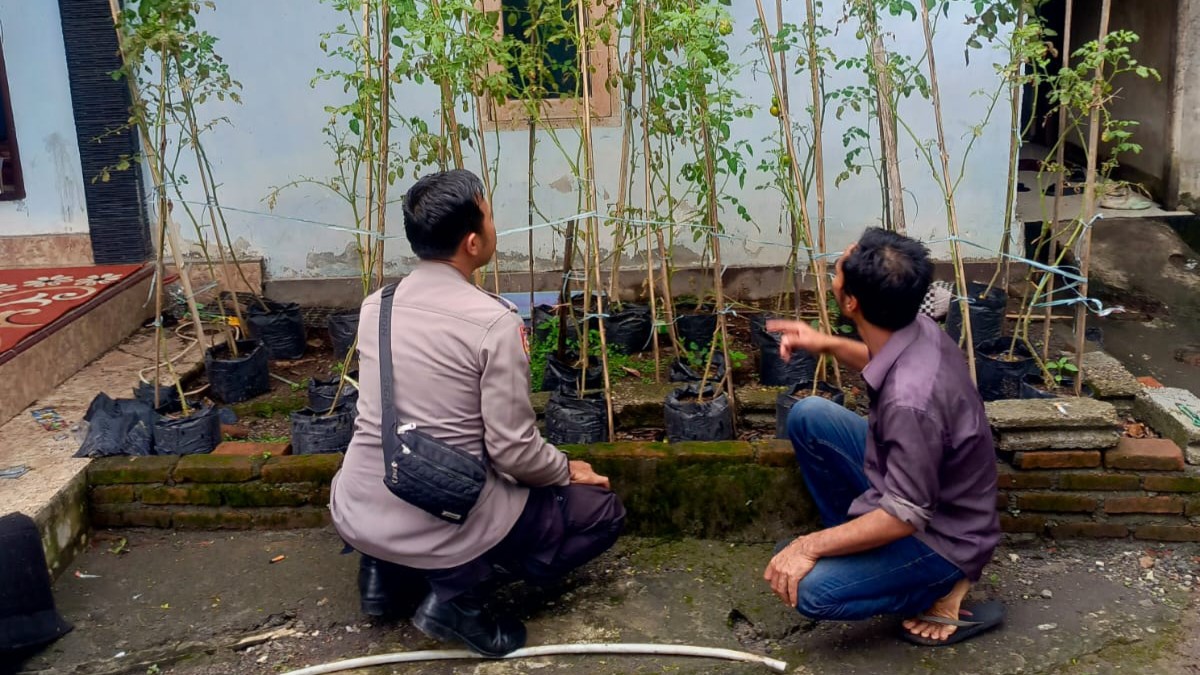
(213, 603)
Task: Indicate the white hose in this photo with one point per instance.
(546, 650)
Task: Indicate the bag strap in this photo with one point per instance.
(387, 429)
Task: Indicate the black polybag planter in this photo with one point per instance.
(773, 371)
(197, 434)
(233, 380)
(629, 328)
(559, 375)
(999, 378)
(680, 371)
(168, 397)
(343, 330)
(279, 326)
(688, 419)
(696, 329)
(117, 427)
(987, 313)
(759, 337)
(322, 392)
(573, 420)
(317, 433)
(785, 401)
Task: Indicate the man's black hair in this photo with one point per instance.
(440, 210)
(889, 274)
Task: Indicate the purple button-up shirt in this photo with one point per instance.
(930, 459)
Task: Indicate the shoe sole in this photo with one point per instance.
(377, 609)
(441, 632)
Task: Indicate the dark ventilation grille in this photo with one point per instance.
(116, 208)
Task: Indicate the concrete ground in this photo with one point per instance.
(210, 603)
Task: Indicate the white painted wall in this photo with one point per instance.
(44, 124)
(275, 137)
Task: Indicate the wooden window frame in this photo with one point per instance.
(14, 158)
(562, 112)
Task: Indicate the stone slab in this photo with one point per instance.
(1108, 378)
(1055, 439)
(1059, 413)
(1159, 408)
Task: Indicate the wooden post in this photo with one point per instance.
(648, 199)
(1089, 196)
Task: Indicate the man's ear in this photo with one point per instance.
(849, 304)
(471, 244)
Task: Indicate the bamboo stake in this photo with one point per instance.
(1089, 195)
(623, 188)
(647, 197)
(385, 94)
(1014, 149)
(952, 213)
(1060, 179)
(886, 113)
(368, 153)
(153, 159)
(529, 187)
(806, 221)
(818, 161)
(590, 200)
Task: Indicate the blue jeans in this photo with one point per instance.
(904, 577)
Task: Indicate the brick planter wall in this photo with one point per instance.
(730, 490)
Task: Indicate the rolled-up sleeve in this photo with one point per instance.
(913, 447)
(514, 444)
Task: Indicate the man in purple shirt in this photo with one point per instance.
(908, 496)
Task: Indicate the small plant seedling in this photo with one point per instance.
(1060, 366)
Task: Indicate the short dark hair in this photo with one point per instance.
(889, 275)
(440, 210)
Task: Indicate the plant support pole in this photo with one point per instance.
(648, 197)
(951, 213)
(593, 237)
(1059, 181)
(1089, 196)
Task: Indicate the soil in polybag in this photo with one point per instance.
(798, 392)
(236, 379)
(316, 433)
(279, 327)
(690, 419)
(322, 393)
(168, 397)
(987, 313)
(629, 328)
(775, 372)
(117, 427)
(696, 330)
(574, 420)
(999, 375)
(343, 330)
(681, 371)
(559, 376)
(197, 434)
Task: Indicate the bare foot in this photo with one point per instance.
(949, 607)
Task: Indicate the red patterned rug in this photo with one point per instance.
(31, 299)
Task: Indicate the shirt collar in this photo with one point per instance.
(440, 270)
(881, 364)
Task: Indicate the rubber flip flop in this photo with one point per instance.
(984, 617)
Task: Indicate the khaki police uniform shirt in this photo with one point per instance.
(461, 370)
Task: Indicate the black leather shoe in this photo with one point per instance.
(388, 590)
(464, 619)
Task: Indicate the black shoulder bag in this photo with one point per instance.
(437, 478)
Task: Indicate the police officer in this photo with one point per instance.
(461, 373)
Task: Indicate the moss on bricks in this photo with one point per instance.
(775, 452)
(222, 518)
(243, 495)
(112, 494)
(214, 469)
(302, 469)
(274, 406)
(126, 470)
(623, 449)
(197, 494)
(712, 451)
(130, 515)
(290, 519)
(758, 399)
